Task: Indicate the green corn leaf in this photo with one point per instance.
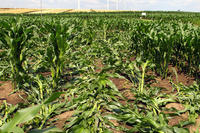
(112, 85)
(17, 130)
(180, 130)
(48, 130)
(25, 115)
(107, 131)
(21, 116)
(53, 97)
(81, 130)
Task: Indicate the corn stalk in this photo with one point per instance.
(17, 36)
(58, 45)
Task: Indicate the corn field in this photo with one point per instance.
(101, 67)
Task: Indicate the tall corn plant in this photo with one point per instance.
(58, 45)
(164, 44)
(17, 35)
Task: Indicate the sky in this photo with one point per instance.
(161, 5)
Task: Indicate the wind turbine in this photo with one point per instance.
(124, 5)
(117, 4)
(41, 7)
(79, 4)
(107, 4)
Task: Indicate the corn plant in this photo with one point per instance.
(141, 86)
(26, 115)
(58, 46)
(6, 112)
(189, 96)
(148, 122)
(17, 36)
(4, 65)
(165, 44)
(145, 115)
(95, 94)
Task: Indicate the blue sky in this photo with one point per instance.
(172, 5)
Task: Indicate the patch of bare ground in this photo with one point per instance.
(124, 86)
(184, 79)
(45, 74)
(116, 131)
(175, 120)
(194, 128)
(114, 122)
(181, 76)
(6, 90)
(163, 83)
(62, 118)
(99, 65)
(177, 106)
(166, 83)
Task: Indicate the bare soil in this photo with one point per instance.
(177, 106)
(45, 74)
(62, 118)
(166, 83)
(194, 128)
(6, 93)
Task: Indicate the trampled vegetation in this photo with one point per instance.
(98, 73)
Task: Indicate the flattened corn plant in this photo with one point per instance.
(24, 116)
(91, 98)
